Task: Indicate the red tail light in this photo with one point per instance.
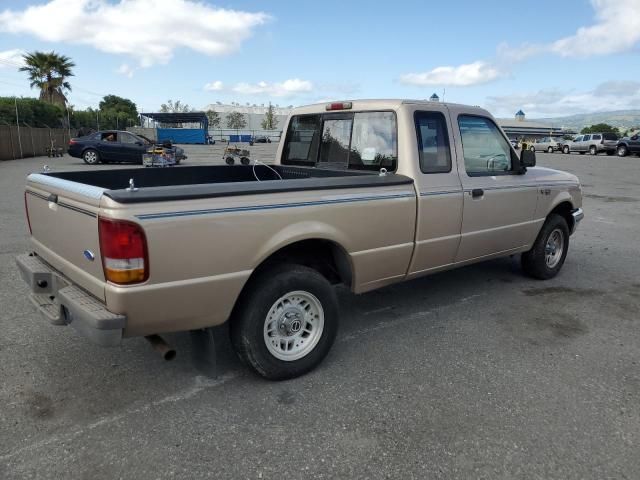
(72, 141)
(339, 106)
(26, 210)
(123, 247)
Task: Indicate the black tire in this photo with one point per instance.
(532, 148)
(534, 262)
(622, 151)
(550, 150)
(245, 161)
(253, 306)
(229, 161)
(566, 149)
(91, 156)
(593, 150)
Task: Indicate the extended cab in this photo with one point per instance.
(362, 193)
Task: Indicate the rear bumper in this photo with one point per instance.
(63, 303)
(577, 215)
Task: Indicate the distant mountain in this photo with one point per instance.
(622, 119)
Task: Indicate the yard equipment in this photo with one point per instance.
(159, 156)
(231, 153)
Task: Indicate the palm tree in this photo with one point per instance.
(48, 72)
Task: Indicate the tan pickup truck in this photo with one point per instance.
(362, 193)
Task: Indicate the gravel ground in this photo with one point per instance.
(474, 373)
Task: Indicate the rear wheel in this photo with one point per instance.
(229, 161)
(593, 150)
(245, 161)
(532, 148)
(90, 157)
(622, 151)
(566, 149)
(285, 321)
(546, 257)
(550, 150)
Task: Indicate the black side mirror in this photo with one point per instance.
(527, 159)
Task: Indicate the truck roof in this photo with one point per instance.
(377, 104)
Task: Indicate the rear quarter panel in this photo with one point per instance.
(202, 252)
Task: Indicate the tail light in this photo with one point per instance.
(72, 141)
(123, 247)
(338, 106)
(26, 211)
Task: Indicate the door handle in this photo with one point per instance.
(477, 192)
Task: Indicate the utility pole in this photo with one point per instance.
(15, 99)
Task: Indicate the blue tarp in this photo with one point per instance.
(240, 138)
(182, 135)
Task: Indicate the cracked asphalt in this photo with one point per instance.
(474, 373)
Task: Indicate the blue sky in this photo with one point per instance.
(548, 58)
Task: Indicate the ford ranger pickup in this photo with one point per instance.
(363, 193)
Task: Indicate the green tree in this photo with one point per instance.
(236, 120)
(49, 71)
(270, 122)
(117, 112)
(175, 107)
(31, 111)
(600, 128)
(214, 119)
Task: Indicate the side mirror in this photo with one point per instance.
(527, 159)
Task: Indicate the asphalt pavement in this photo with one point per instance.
(479, 372)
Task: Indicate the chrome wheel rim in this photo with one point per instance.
(90, 157)
(622, 151)
(593, 151)
(293, 326)
(554, 248)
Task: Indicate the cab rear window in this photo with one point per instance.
(353, 140)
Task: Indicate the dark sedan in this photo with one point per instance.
(113, 146)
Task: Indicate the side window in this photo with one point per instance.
(586, 138)
(577, 139)
(485, 150)
(433, 142)
(596, 137)
(127, 138)
(303, 140)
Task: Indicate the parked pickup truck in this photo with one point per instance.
(362, 193)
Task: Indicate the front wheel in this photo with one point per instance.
(593, 150)
(546, 257)
(285, 321)
(532, 148)
(565, 149)
(90, 157)
(550, 150)
(622, 151)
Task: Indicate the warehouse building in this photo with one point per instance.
(522, 129)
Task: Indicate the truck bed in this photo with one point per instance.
(182, 183)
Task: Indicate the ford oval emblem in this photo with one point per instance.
(88, 254)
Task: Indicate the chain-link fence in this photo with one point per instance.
(20, 141)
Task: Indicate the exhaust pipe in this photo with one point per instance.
(162, 347)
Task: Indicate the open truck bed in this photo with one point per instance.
(186, 183)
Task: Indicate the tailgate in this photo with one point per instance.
(63, 217)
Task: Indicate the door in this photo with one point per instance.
(499, 202)
(108, 146)
(634, 144)
(583, 144)
(439, 192)
(131, 147)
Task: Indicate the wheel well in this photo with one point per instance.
(325, 256)
(564, 210)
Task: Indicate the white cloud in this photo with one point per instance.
(463, 75)
(617, 29)
(147, 30)
(216, 86)
(608, 96)
(126, 70)
(11, 58)
(289, 88)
